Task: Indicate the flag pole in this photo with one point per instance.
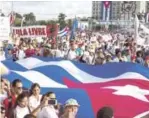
(136, 26)
(11, 15)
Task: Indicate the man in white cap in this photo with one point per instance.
(70, 109)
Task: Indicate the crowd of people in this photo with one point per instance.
(85, 47)
(17, 102)
(89, 48)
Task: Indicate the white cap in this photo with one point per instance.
(71, 102)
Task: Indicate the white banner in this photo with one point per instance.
(4, 28)
(143, 38)
(107, 37)
(30, 31)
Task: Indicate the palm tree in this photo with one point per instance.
(61, 20)
(2, 14)
(30, 18)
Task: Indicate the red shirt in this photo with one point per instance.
(14, 52)
(30, 52)
(9, 103)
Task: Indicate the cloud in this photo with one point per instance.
(51, 9)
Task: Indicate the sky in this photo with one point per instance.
(50, 9)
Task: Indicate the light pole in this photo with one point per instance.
(22, 21)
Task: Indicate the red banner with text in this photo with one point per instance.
(35, 31)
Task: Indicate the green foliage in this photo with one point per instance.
(61, 20)
(2, 14)
(30, 19)
(51, 22)
(17, 15)
(41, 22)
(17, 22)
(84, 19)
(111, 27)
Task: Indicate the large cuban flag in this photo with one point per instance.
(122, 86)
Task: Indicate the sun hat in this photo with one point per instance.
(71, 102)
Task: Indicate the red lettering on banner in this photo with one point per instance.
(17, 31)
(34, 30)
(38, 31)
(25, 32)
(43, 31)
(29, 31)
(14, 31)
(20, 32)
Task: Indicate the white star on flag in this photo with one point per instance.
(130, 90)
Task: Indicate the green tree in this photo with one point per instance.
(49, 22)
(84, 19)
(17, 22)
(41, 22)
(30, 19)
(2, 14)
(61, 20)
(18, 19)
(17, 15)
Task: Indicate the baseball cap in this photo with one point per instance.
(71, 102)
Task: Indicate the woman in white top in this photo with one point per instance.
(21, 53)
(2, 54)
(35, 98)
(21, 108)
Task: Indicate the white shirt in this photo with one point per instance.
(47, 112)
(90, 59)
(33, 102)
(21, 54)
(116, 59)
(59, 53)
(21, 112)
(71, 55)
(85, 56)
(2, 56)
(3, 97)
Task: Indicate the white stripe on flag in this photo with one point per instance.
(81, 75)
(62, 34)
(29, 63)
(61, 31)
(108, 13)
(142, 115)
(41, 79)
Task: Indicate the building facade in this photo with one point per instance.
(115, 10)
(98, 10)
(147, 6)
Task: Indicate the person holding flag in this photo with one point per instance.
(74, 28)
